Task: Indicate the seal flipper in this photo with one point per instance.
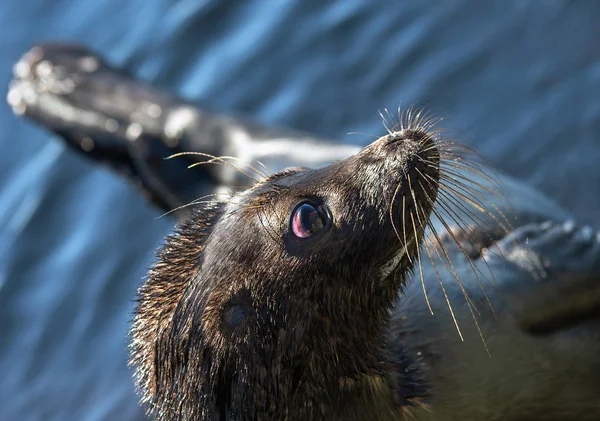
(541, 360)
(564, 262)
(103, 113)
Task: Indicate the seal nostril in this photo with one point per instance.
(413, 143)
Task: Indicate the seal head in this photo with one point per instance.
(268, 305)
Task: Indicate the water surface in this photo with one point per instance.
(519, 78)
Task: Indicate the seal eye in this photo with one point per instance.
(307, 220)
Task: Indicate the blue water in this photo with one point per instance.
(519, 79)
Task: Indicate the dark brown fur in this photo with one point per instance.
(312, 340)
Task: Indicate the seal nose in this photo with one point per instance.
(413, 145)
(410, 138)
(414, 155)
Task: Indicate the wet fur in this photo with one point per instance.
(314, 340)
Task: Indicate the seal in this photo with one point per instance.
(522, 292)
(274, 304)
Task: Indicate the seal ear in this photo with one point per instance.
(178, 262)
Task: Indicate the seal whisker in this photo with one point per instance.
(385, 122)
(451, 159)
(451, 268)
(461, 225)
(418, 254)
(454, 160)
(476, 271)
(470, 305)
(423, 281)
(443, 258)
(222, 160)
(395, 123)
(405, 120)
(219, 161)
(471, 190)
(455, 167)
(363, 134)
(469, 194)
(423, 120)
(460, 153)
(266, 171)
(468, 185)
(224, 199)
(421, 223)
(456, 173)
(472, 212)
(404, 242)
(452, 171)
(440, 282)
(260, 173)
(393, 223)
(504, 223)
(460, 222)
(193, 202)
